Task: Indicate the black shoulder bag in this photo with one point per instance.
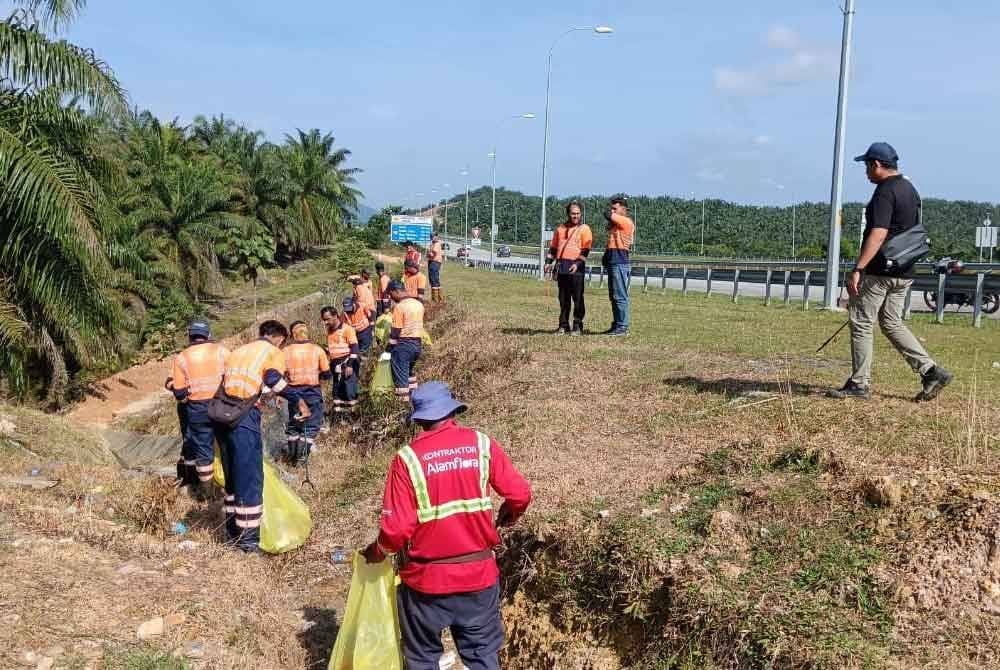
(228, 411)
(902, 251)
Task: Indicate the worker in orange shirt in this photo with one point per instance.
(384, 301)
(253, 371)
(621, 234)
(357, 317)
(415, 281)
(435, 257)
(342, 347)
(308, 365)
(367, 295)
(412, 253)
(195, 377)
(568, 251)
(405, 338)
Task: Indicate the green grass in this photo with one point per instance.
(738, 387)
(141, 658)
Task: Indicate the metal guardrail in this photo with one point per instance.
(784, 275)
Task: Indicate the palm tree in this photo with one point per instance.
(321, 190)
(59, 243)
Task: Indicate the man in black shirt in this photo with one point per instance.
(877, 291)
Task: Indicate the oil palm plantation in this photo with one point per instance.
(60, 245)
(321, 190)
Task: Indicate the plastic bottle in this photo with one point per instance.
(179, 528)
(340, 556)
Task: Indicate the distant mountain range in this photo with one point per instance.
(365, 212)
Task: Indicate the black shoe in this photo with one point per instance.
(610, 330)
(935, 380)
(577, 329)
(850, 390)
(618, 332)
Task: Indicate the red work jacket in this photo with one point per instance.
(437, 505)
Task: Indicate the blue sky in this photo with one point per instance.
(723, 98)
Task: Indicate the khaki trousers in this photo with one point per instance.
(881, 299)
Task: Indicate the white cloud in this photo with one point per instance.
(710, 174)
(800, 63)
(761, 140)
(383, 111)
(783, 37)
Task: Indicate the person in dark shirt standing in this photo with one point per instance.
(877, 291)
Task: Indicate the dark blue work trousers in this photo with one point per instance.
(474, 620)
(243, 465)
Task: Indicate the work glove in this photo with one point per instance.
(169, 384)
(505, 517)
(373, 554)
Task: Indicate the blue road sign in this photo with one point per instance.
(413, 228)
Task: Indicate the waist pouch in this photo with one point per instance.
(227, 410)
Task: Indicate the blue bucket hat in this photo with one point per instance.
(199, 329)
(433, 401)
(349, 304)
(396, 285)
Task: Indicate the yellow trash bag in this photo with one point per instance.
(286, 522)
(383, 325)
(382, 379)
(425, 338)
(369, 634)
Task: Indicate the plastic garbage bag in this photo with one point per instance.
(286, 522)
(425, 338)
(381, 383)
(369, 634)
(383, 325)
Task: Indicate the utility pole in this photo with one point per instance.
(831, 292)
(703, 226)
(793, 231)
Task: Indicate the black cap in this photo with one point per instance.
(881, 152)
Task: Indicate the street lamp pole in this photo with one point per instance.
(600, 30)
(465, 173)
(837, 188)
(703, 226)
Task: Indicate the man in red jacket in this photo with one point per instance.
(437, 510)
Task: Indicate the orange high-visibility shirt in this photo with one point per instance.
(414, 256)
(436, 253)
(364, 297)
(408, 317)
(245, 368)
(568, 242)
(338, 342)
(358, 320)
(199, 369)
(621, 233)
(416, 284)
(305, 363)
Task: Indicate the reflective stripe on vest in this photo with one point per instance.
(428, 512)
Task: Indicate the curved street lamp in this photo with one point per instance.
(598, 30)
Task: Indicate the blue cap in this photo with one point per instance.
(349, 304)
(433, 401)
(396, 285)
(199, 329)
(881, 152)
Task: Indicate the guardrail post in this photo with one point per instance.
(708, 281)
(977, 309)
(767, 288)
(939, 317)
(663, 279)
(600, 280)
(788, 286)
(645, 278)
(907, 307)
(736, 285)
(805, 290)
(684, 281)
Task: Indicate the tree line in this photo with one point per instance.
(670, 225)
(113, 221)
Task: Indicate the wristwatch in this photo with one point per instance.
(857, 269)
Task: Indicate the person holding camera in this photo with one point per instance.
(877, 284)
(621, 233)
(567, 257)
